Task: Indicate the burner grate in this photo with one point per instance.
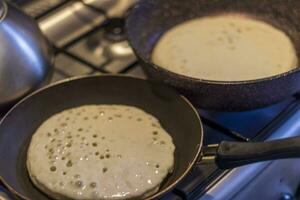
(107, 26)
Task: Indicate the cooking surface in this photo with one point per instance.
(89, 38)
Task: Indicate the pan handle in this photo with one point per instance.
(234, 154)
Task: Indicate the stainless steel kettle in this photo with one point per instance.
(25, 56)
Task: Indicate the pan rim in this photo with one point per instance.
(186, 101)
(161, 69)
(3, 10)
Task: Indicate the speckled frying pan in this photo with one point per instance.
(148, 21)
(175, 113)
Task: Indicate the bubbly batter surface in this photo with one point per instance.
(100, 152)
(225, 48)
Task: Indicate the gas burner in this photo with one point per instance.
(120, 50)
(111, 41)
(114, 31)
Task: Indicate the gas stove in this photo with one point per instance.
(89, 38)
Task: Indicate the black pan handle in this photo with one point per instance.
(234, 154)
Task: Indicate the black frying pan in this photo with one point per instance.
(150, 19)
(175, 113)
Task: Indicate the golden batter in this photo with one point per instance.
(100, 152)
(225, 48)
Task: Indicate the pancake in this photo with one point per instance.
(225, 48)
(100, 152)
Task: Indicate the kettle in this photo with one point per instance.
(25, 55)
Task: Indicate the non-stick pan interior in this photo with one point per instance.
(152, 18)
(175, 114)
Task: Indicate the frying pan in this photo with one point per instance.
(150, 19)
(161, 101)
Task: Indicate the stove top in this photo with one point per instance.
(89, 38)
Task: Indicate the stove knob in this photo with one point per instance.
(287, 196)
